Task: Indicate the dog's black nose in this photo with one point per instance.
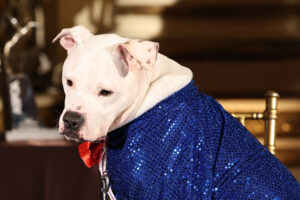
(72, 120)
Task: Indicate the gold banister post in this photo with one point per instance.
(270, 115)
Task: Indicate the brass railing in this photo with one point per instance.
(269, 116)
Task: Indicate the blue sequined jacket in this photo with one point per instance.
(188, 147)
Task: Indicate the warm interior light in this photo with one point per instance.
(146, 2)
(139, 26)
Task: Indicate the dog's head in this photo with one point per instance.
(104, 78)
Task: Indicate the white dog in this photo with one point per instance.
(165, 139)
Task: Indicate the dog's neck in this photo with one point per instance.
(166, 78)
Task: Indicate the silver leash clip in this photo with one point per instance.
(104, 185)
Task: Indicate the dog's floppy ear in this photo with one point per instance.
(72, 37)
(135, 54)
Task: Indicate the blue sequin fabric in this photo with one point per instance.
(187, 147)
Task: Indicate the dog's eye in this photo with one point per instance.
(69, 82)
(105, 93)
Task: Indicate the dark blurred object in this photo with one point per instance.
(27, 56)
(5, 97)
(24, 61)
(20, 106)
(20, 110)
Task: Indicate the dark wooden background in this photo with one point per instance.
(236, 48)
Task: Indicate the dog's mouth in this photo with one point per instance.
(70, 135)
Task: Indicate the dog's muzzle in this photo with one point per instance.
(72, 122)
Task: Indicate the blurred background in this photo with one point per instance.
(237, 49)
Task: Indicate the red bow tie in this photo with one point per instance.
(91, 152)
